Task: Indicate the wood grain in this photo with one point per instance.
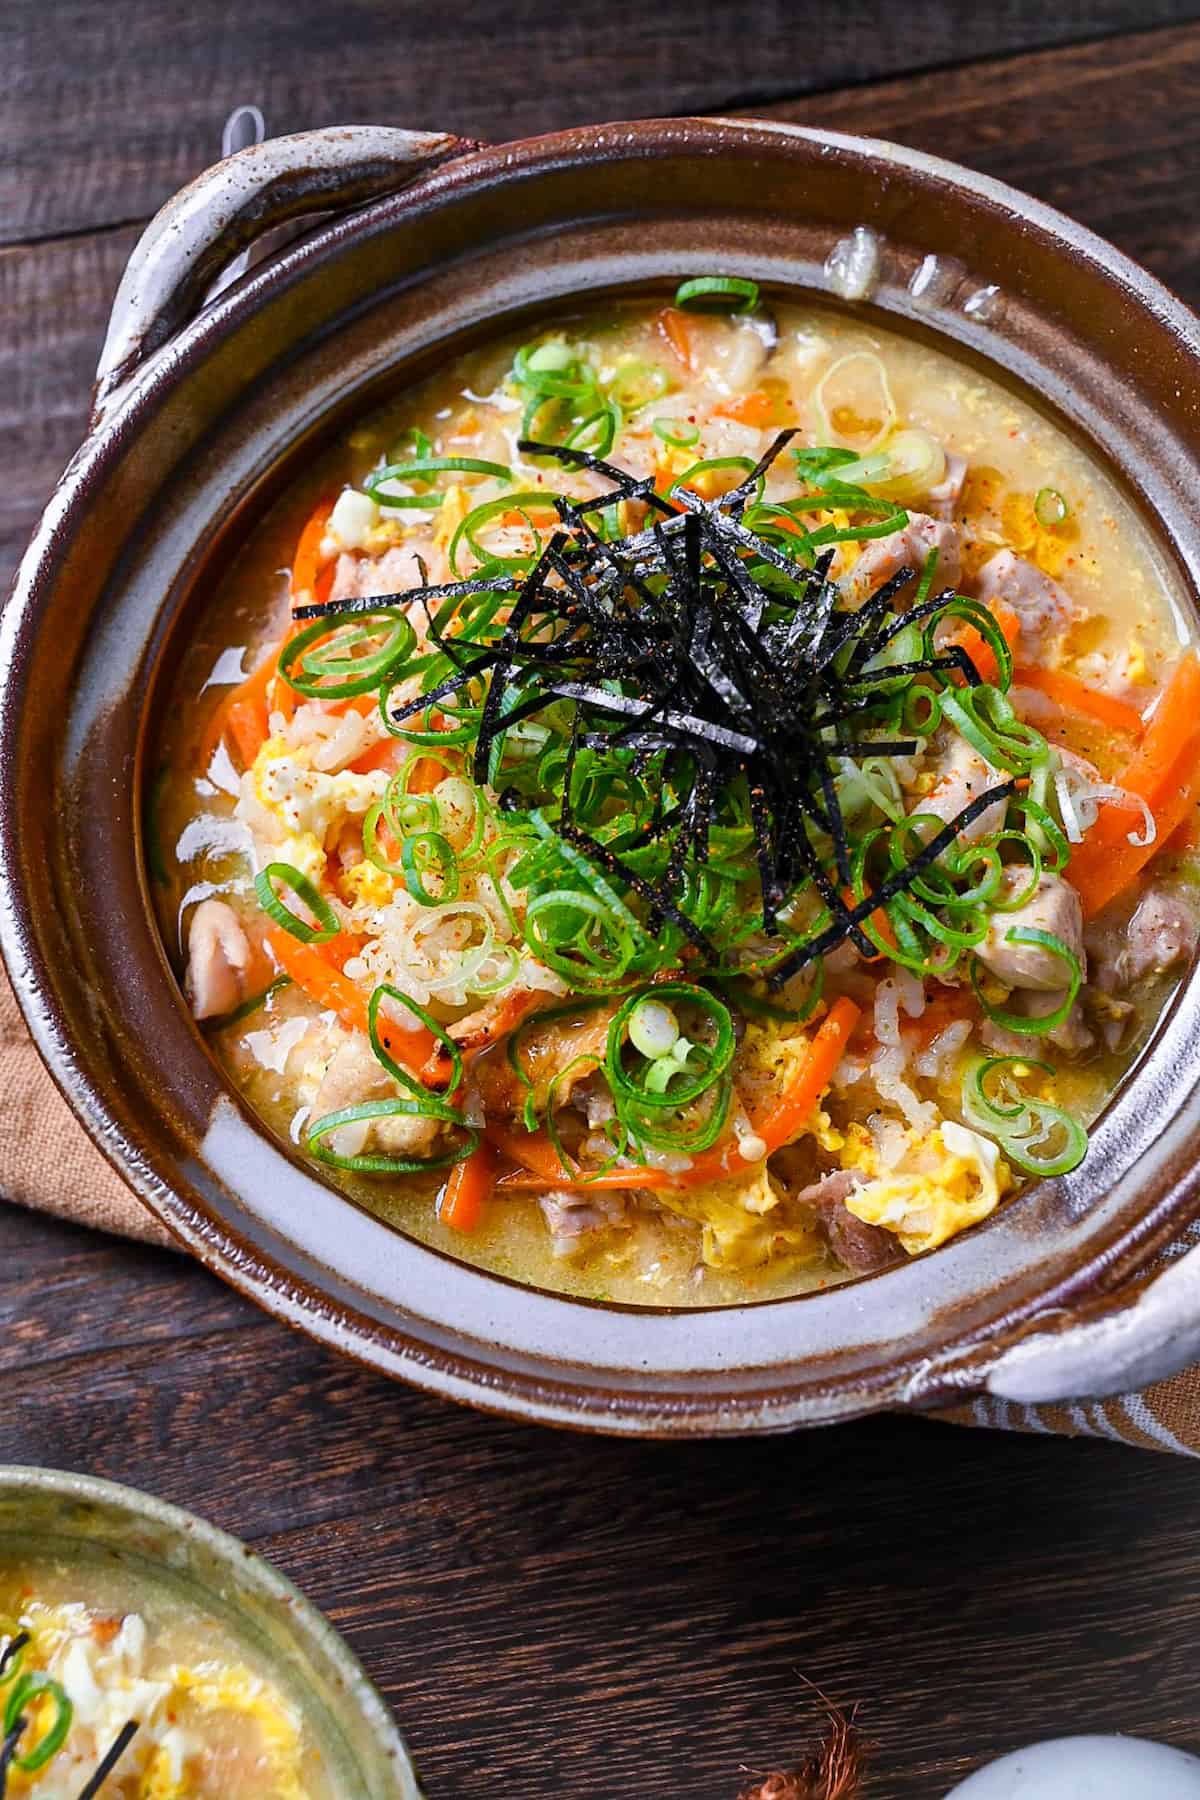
(1074, 126)
(552, 1615)
(118, 105)
(555, 1615)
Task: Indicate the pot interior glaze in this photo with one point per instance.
(160, 495)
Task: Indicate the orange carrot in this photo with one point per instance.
(978, 648)
(316, 968)
(676, 327)
(467, 1187)
(311, 577)
(755, 408)
(507, 1016)
(246, 723)
(945, 1007)
(776, 1125)
(1075, 696)
(1165, 773)
(242, 715)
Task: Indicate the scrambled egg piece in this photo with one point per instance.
(945, 1181)
(309, 805)
(103, 1667)
(364, 884)
(450, 515)
(739, 1230)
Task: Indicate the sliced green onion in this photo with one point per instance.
(742, 463)
(718, 291)
(1049, 507)
(396, 1070)
(568, 380)
(328, 924)
(653, 1028)
(403, 502)
(420, 1102)
(33, 1687)
(423, 853)
(379, 1163)
(1021, 1022)
(423, 468)
(14, 1652)
(579, 937)
(251, 1006)
(320, 661)
(635, 384)
(551, 358)
(679, 433)
(713, 1060)
(491, 509)
(1021, 1125)
(598, 432)
(984, 717)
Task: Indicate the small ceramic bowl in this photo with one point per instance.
(50, 1511)
(203, 416)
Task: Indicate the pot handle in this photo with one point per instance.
(1113, 1345)
(198, 231)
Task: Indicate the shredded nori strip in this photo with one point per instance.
(8, 1749)
(13, 1648)
(111, 1758)
(694, 639)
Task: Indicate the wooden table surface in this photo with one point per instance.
(549, 1615)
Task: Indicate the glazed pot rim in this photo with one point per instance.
(338, 1320)
(248, 1570)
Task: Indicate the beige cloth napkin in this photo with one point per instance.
(48, 1162)
(46, 1158)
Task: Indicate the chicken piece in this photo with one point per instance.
(859, 1246)
(395, 572)
(1114, 1018)
(1073, 1037)
(1054, 907)
(572, 1216)
(883, 557)
(958, 776)
(497, 1016)
(571, 1046)
(1046, 612)
(1161, 934)
(219, 960)
(944, 498)
(353, 1075)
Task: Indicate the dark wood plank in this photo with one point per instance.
(552, 1615)
(118, 105)
(1073, 126)
(65, 1292)
(1107, 132)
(54, 300)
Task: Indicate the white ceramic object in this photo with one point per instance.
(1087, 1768)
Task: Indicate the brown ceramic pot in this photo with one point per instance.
(202, 416)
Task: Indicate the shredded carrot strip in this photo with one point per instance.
(676, 327)
(756, 408)
(978, 648)
(316, 968)
(535, 1151)
(246, 724)
(312, 579)
(1074, 695)
(1165, 773)
(467, 1187)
